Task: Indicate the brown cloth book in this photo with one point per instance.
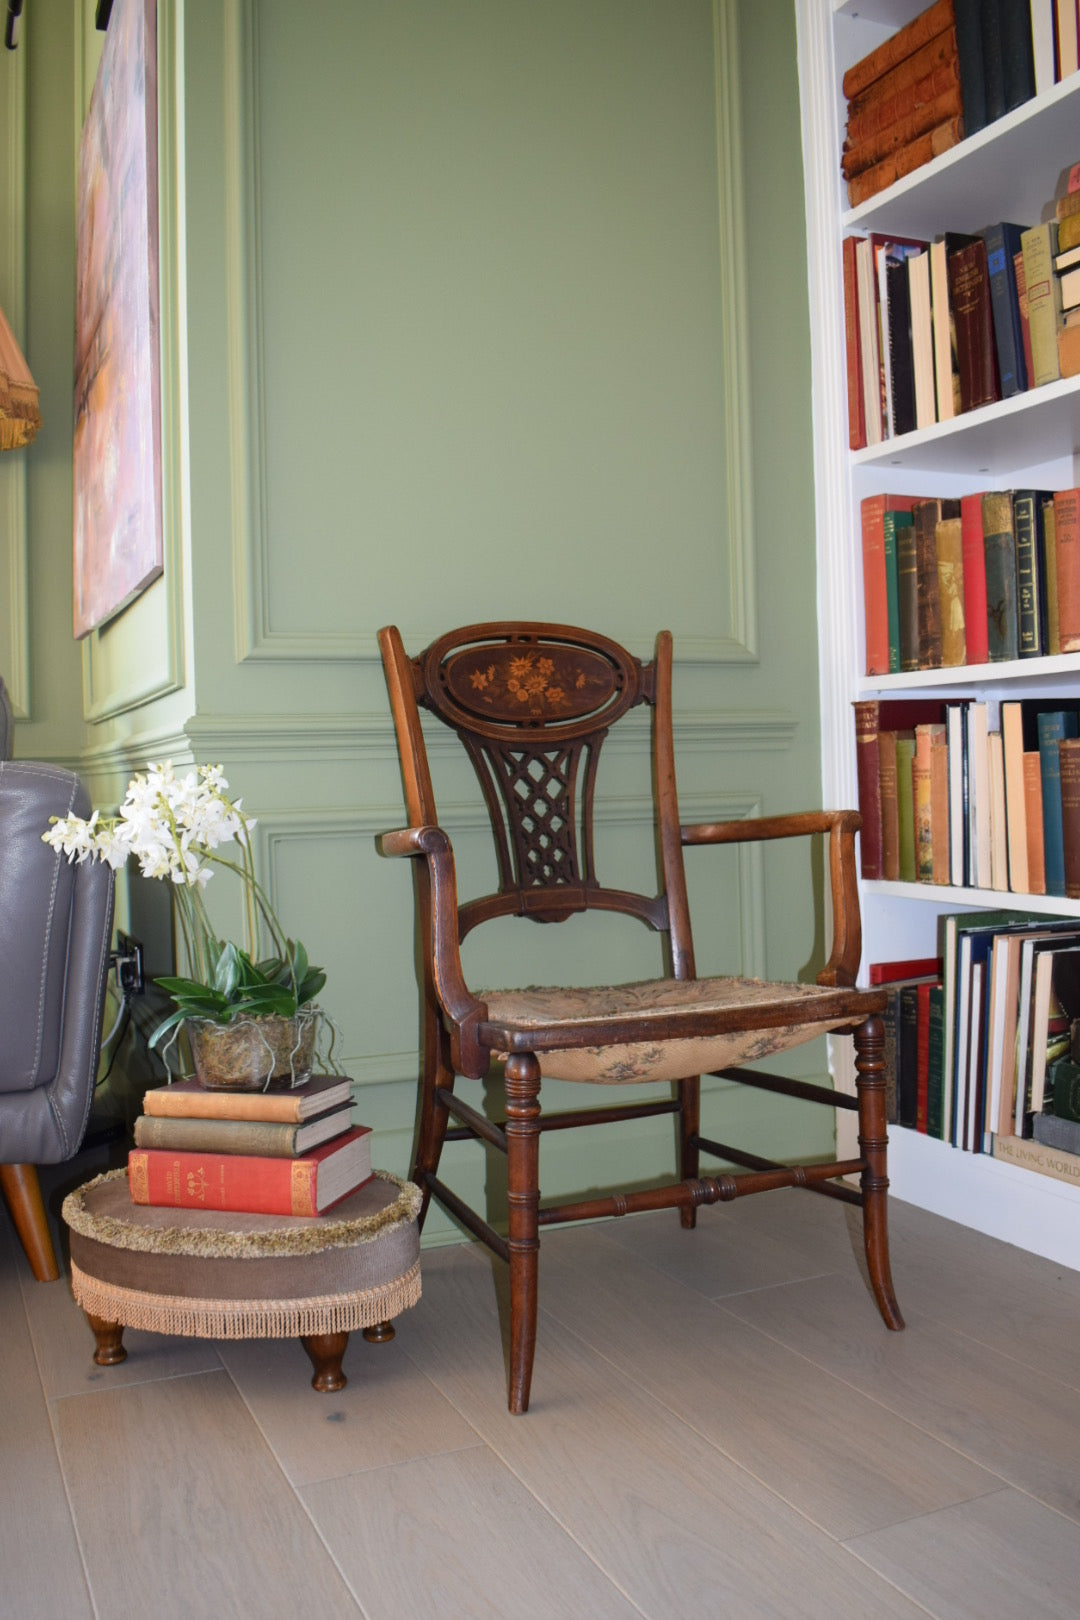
(972, 313)
(865, 153)
(926, 516)
(912, 83)
(189, 1099)
(950, 575)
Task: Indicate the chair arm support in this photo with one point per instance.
(439, 909)
(841, 825)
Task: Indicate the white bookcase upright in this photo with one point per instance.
(1010, 170)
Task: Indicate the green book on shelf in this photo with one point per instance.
(894, 521)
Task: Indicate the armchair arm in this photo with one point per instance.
(437, 882)
(841, 825)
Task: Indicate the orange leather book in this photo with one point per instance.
(904, 43)
(890, 809)
(939, 805)
(255, 1185)
(913, 82)
(865, 153)
(905, 160)
(187, 1099)
(852, 356)
(1069, 754)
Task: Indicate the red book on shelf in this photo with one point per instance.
(976, 641)
(872, 717)
(258, 1186)
(916, 967)
(875, 580)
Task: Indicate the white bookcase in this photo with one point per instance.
(1011, 170)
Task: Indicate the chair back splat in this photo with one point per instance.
(533, 704)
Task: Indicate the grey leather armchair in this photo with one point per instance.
(55, 933)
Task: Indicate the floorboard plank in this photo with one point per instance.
(670, 1519)
(1024, 1428)
(179, 1505)
(1003, 1556)
(386, 1413)
(453, 1536)
(839, 1457)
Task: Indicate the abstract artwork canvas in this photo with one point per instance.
(118, 544)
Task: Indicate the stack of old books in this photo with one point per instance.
(956, 67)
(274, 1152)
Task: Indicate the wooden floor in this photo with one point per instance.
(721, 1425)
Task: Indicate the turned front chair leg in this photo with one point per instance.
(109, 1335)
(523, 1197)
(326, 1351)
(873, 1142)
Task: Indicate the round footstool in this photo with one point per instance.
(215, 1275)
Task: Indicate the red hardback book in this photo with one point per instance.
(875, 586)
(257, 1186)
(921, 967)
(1067, 548)
(971, 540)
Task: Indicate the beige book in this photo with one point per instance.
(1047, 1161)
(950, 573)
(999, 857)
(1039, 246)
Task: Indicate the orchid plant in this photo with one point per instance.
(175, 827)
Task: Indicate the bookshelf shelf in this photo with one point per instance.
(1011, 170)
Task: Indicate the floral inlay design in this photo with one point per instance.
(531, 683)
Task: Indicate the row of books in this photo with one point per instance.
(970, 794)
(956, 67)
(277, 1152)
(937, 328)
(982, 1042)
(987, 578)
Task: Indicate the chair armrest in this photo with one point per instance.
(841, 825)
(437, 882)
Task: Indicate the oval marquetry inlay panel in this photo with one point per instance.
(520, 681)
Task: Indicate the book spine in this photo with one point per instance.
(890, 824)
(1017, 51)
(907, 580)
(856, 418)
(935, 1083)
(950, 576)
(1067, 549)
(940, 864)
(1028, 596)
(999, 551)
(909, 1055)
(905, 160)
(926, 26)
(875, 585)
(927, 515)
(922, 1059)
(1033, 820)
(920, 787)
(946, 378)
(1039, 245)
(863, 154)
(891, 1019)
(1048, 536)
(869, 785)
(1069, 772)
(1025, 324)
(892, 588)
(1052, 728)
(193, 1135)
(1047, 1161)
(919, 79)
(905, 805)
(901, 355)
(1002, 243)
(974, 556)
(969, 299)
(993, 64)
(222, 1181)
(969, 55)
(1015, 818)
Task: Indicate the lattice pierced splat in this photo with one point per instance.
(539, 800)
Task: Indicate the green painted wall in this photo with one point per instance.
(480, 310)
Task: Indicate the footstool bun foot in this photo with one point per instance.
(109, 1335)
(381, 1333)
(326, 1351)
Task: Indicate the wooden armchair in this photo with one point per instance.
(532, 704)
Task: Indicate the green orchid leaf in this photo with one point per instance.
(229, 971)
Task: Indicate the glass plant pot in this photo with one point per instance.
(254, 1053)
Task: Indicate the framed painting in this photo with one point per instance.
(118, 542)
